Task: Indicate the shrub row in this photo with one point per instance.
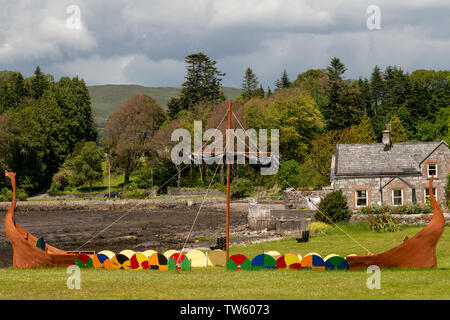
(404, 209)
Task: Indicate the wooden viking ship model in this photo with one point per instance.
(417, 252)
(26, 254)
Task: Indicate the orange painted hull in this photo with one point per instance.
(25, 253)
(417, 252)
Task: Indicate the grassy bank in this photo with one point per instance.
(217, 283)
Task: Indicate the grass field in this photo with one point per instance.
(217, 283)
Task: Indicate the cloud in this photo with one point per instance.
(145, 42)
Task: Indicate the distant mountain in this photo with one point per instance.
(106, 99)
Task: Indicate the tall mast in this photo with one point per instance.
(228, 180)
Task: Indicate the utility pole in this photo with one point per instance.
(109, 175)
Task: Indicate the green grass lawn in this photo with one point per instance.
(217, 283)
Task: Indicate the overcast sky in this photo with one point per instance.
(145, 42)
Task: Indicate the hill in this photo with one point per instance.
(106, 99)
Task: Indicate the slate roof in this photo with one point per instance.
(371, 159)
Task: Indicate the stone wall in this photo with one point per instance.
(105, 205)
(193, 192)
(296, 199)
(405, 219)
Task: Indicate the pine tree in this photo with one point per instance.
(39, 83)
(341, 109)
(283, 82)
(249, 84)
(259, 92)
(202, 83)
(398, 132)
(377, 90)
(269, 92)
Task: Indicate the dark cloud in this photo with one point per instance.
(145, 42)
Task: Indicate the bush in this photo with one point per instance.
(7, 195)
(142, 178)
(241, 188)
(404, 209)
(62, 178)
(383, 222)
(334, 206)
(22, 195)
(54, 190)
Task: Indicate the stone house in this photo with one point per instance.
(390, 173)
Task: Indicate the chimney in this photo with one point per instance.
(387, 140)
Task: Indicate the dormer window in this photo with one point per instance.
(432, 170)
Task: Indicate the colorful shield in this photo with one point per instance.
(169, 253)
(290, 261)
(139, 261)
(158, 261)
(238, 262)
(40, 243)
(336, 262)
(100, 260)
(149, 253)
(115, 264)
(179, 261)
(197, 259)
(84, 261)
(263, 261)
(274, 254)
(217, 257)
(123, 259)
(313, 261)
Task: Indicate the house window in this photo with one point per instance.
(432, 170)
(397, 197)
(427, 194)
(361, 198)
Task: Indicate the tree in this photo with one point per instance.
(294, 113)
(398, 132)
(377, 88)
(288, 175)
(87, 166)
(129, 130)
(259, 92)
(39, 83)
(366, 134)
(333, 208)
(341, 109)
(249, 84)
(202, 83)
(283, 82)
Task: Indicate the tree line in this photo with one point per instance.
(47, 129)
(41, 122)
